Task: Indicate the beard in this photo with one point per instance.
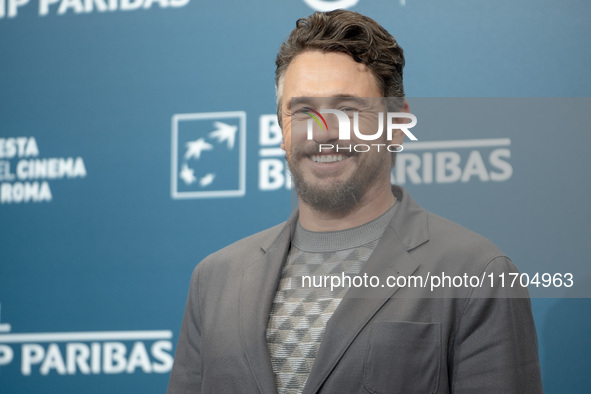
(335, 195)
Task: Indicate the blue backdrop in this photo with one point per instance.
(108, 200)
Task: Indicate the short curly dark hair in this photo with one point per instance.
(347, 32)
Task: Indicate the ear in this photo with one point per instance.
(283, 144)
(398, 136)
(406, 107)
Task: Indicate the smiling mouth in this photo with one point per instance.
(328, 158)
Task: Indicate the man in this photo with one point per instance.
(251, 327)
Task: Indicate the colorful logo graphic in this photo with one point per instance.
(306, 109)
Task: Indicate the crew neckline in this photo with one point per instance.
(332, 241)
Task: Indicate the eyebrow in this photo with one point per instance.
(336, 97)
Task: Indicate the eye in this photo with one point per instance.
(349, 109)
(299, 113)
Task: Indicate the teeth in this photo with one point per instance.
(327, 158)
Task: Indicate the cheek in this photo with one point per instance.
(398, 137)
(293, 138)
(368, 124)
(375, 160)
(286, 133)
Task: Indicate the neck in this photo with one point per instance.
(374, 203)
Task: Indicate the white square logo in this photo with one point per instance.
(208, 155)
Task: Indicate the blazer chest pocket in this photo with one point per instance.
(403, 357)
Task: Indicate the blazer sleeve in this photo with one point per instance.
(185, 376)
(495, 346)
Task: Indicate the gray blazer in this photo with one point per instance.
(379, 340)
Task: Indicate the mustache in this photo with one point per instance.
(314, 148)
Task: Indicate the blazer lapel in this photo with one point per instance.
(390, 257)
(259, 285)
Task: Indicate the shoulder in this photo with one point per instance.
(461, 249)
(448, 233)
(240, 253)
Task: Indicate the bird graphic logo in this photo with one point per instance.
(208, 155)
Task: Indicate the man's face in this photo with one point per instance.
(330, 180)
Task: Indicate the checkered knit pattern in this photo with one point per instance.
(299, 314)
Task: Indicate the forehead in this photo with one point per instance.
(320, 74)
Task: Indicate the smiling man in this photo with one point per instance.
(256, 319)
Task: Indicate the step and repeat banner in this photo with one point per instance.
(139, 136)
